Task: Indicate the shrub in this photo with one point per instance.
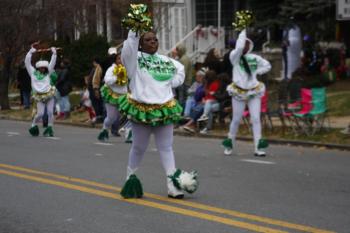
(81, 53)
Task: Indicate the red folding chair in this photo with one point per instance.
(300, 117)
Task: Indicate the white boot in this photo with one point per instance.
(228, 151)
(259, 153)
(173, 192)
(228, 145)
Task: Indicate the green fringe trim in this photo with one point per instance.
(109, 96)
(174, 179)
(48, 132)
(155, 117)
(103, 135)
(262, 144)
(34, 130)
(227, 143)
(132, 188)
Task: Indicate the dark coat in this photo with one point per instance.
(23, 80)
(64, 85)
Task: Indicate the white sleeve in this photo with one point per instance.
(52, 64)
(264, 65)
(28, 61)
(129, 53)
(179, 76)
(240, 44)
(109, 78)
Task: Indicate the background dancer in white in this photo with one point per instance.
(246, 89)
(43, 88)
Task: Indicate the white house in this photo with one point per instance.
(194, 23)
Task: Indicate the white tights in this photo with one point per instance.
(40, 110)
(238, 107)
(164, 141)
(112, 115)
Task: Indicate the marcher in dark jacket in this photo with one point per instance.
(212, 60)
(24, 85)
(64, 87)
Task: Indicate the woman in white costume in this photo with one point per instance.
(291, 49)
(246, 89)
(42, 79)
(152, 109)
(116, 81)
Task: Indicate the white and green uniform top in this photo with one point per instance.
(257, 64)
(110, 80)
(40, 83)
(152, 77)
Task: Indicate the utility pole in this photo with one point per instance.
(219, 19)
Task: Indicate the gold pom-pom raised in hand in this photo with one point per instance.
(243, 19)
(120, 72)
(138, 18)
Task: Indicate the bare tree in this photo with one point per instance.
(25, 21)
(21, 23)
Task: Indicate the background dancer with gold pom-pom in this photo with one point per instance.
(116, 81)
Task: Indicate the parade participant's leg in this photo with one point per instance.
(237, 112)
(40, 108)
(141, 136)
(116, 124)
(128, 132)
(50, 108)
(132, 187)
(254, 106)
(112, 115)
(164, 141)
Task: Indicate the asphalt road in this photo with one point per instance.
(71, 183)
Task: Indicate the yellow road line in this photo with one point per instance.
(180, 202)
(164, 207)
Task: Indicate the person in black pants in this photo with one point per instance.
(24, 85)
(94, 86)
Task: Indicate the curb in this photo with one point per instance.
(215, 136)
(270, 140)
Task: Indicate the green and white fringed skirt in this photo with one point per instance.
(150, 114)
(109, 96)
